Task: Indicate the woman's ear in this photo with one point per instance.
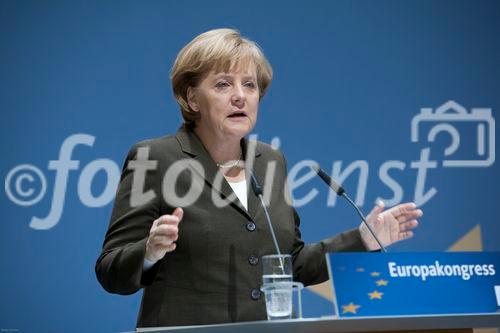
(191, 99)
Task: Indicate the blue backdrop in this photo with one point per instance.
(350, 78)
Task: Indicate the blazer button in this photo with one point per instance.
(251, 226)
(255, 294)
(253, 260)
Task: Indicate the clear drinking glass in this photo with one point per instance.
(278, 300)
(277, 285)
(277, 268)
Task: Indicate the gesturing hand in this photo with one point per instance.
(162, 235)
(391, 226)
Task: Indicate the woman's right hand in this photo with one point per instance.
(162, 235)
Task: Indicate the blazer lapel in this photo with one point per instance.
(253, 165)
(192, 145)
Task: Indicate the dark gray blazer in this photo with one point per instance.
(214, 274)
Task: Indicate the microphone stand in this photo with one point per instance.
(341, 192)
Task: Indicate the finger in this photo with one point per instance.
(166, 230)
(408, 225)
(379, 208)
(380, 203)
(166, 238)
(163, 239)
(163, 243)
(414, 214)
(167, 219)
(402, 208)
(179, 212)
(168, 247)
(405, 235)
(171, 247)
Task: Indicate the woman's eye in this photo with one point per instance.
(221, 84)
(250, 85)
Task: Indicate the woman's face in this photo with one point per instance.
(227, 103)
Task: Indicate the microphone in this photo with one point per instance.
(257, 189)
(327, 179)
(341, 192)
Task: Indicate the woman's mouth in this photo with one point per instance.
(237, 115)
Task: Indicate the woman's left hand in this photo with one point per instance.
(390, 226)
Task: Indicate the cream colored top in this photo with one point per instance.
(240, 189)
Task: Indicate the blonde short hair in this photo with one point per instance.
(215, 50)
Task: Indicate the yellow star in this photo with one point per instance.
(375, 295)
(375, 274)
(360, 269)
(352, 308)
(382, 282)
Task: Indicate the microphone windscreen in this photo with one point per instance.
(255, 185)
(327, 179)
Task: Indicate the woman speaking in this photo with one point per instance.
(186, 225)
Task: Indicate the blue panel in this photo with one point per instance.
(383, 284)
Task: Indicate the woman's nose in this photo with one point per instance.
(238, 97)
